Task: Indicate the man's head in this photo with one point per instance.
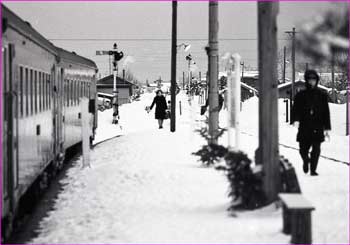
(311, 79)
(159, 92)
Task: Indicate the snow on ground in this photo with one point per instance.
(146, 187)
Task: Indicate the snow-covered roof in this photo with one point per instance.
(152, 85)
(253, 74)
(249, 87)
(244, 85)
(302, 81)
(104, 94)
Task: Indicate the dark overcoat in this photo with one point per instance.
(161, 106)
(311, 109)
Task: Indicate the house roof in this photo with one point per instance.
(108, 81)
(246, 86)
(287, 84)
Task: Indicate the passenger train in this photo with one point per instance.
(41, 109)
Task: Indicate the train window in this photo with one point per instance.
(27, 91)
(21, 81)
(48, 91)
(71, 92)
(89, 89)
(67, 93)
(80, 86)
(75, 92)
(67, 90)
(39, 91)
(81, 89)
(64, 92)
(36, 84)
(31, 92)
(44, 95)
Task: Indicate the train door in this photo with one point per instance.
(10, 130)
(60, 108)
(57, 110)
(64, 101)
(53, 92)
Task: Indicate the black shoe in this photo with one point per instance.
(314, 174)
(306, 167)
(160, 126)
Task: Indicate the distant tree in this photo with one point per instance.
(327, 35)
(222, 82)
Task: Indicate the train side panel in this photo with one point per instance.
(33, 78)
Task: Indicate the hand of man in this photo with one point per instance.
(326, 135)
(296, 124)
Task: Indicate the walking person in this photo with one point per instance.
(310, 113)
(161, 107)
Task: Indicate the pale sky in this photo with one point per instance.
(152, 20)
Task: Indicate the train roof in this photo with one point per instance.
(10, 19)
(73, 57)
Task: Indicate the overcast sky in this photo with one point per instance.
(152, 20)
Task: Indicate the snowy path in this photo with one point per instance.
(146, 187)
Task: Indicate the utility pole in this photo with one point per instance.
(242, 64)
(189, 59)
(183, 80)
(293, 69)
(117, 56)
(109, 63)
(306, 66)
(333, 79)
(268, 152)
(213, 55)
(347, 112)
(173, 67)
(284, 64)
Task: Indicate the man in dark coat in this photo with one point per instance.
(161, 107)
(310, 113)
(221, 102)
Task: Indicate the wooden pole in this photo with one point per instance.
(213, 54)
(268, 153)
(333, 80)
(85, 132)
(183, 80)
(347, 114)
(173, 67)
(293, 63)
(234, 103)
(284, 64)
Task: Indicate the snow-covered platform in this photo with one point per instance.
(145, 186)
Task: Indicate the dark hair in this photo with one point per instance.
(159, 90)
(311, 74)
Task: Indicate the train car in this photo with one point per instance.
(41, 87)
(78, 76)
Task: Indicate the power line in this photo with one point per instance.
(154, 39)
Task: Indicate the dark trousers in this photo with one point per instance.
(304, 148)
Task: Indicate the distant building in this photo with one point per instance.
(247, 90)
(125, 89)
(285, 89)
